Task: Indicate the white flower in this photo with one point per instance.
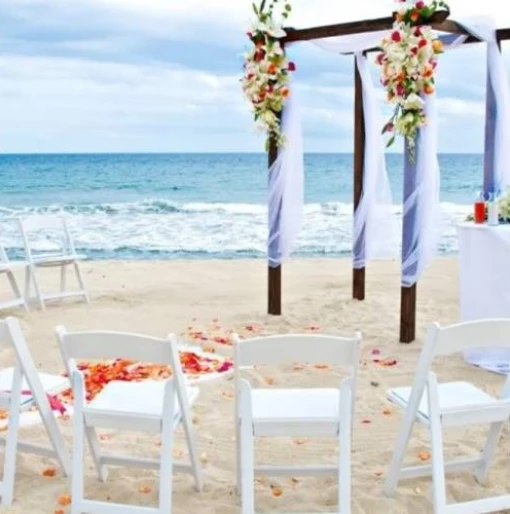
(413, 102)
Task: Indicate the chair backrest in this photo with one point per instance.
(55, 230)
(292, 348)
(97, 345)
(12, 337)
(489, 333)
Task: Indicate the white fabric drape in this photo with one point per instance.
(485, 29)
(424, 201)
(373, 219)
(286, 188)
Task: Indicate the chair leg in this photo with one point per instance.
(436, 436)
(28, 283)
(81, 282)
(166, 460)
(77, 478)
(238, 456)
(58, 443)
(95, 450)
(489, 452)
(344, 454)
(16, 290)
(37, 289)
(397, 459)
(247, 454)
(11, 443)
(63, 278)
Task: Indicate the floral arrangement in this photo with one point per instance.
(503, 201)
(408, 61)
(266, 70)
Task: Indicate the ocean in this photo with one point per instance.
(170, 206)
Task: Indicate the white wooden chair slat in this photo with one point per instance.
(294, 412)
(452, 404)
(63, 258)
(148, 406)
(25, 376)
(7, 268)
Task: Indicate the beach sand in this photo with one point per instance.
(162, 297)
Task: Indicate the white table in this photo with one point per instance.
(484, 266)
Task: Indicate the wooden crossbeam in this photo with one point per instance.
(359, 27)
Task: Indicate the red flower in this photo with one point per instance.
(292, 66)
(250, 35)
(414, 50)
(415, 16)
(259, 55)
(422, 43)
(396, 37)
(380, 59)
(400, 90)
(417, 32)
(420, 4)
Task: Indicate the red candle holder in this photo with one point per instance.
(479, 211)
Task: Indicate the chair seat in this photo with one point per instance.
(293, 410)
(137, 399)
(10, 265)
(51, 384)
(452, 395)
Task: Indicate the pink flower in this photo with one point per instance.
(400, 90)
(291, 66)
(420, 4)
(396, 37)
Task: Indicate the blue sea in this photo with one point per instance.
(168, 206)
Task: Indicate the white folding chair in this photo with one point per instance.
(294, 412)
(57, 233)
(452, 404)
(22, 388)
(7, 267)
(146, 406)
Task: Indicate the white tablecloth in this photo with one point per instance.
(484, 263)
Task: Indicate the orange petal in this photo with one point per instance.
(64, 500)
(177, 453)
(59, 511)
(276, 491)
(321, 366)
(269, 381)
(300, 442)
(424, 456)
(145, 489)
(49, 472)
(387, 411)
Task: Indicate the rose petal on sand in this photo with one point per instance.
(387, 411)
(49, 472)
(269, 381)
(276, 491)
(366, 421)
(300, 442)
(145, 489)
(177, 453)
(376, 351)
(59, 511)
(322, 366)
(424, 456)
(64, 500)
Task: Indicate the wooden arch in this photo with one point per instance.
(408, 294)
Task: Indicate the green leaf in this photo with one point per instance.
(390, 142)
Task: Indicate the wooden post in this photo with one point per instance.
(274, 292)
(358, 248)
(408, 294)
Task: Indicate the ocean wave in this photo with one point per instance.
(159, 228)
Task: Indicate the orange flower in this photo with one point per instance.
(285, 92)
(428, 89)
(437, 46)
(429, 72)
(415, 16)
(49, 472)
(272, 69)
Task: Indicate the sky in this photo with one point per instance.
(164, 76)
